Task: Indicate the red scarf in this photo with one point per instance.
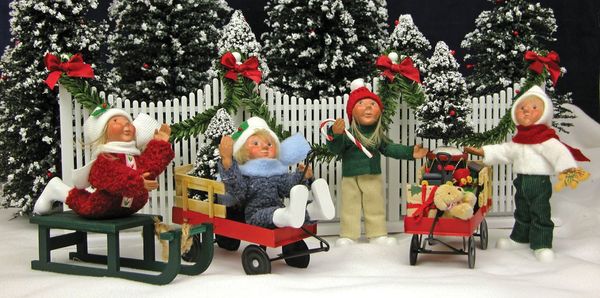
(539, 133)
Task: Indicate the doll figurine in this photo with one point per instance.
(120, 174)
(362, 184)
(536, 153)
(254, 169)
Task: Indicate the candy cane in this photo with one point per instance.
(323, 128)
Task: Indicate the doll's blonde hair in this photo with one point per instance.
(374, 140)
(243, 155)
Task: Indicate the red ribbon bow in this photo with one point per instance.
(550, 62)
(405, 68)
(248, 69)
(426, 203)
(75, 67)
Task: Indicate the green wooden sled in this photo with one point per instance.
(111, 227)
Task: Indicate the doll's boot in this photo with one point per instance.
(384, 240)
(56, 190)
(507, 243)
(343, 241)
(294, 214)
(544, 255)
(321, 207)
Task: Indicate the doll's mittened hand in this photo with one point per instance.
(309, 171)
(419, 152)
(226, 151)
(149, 185)
(163, 133)
(338, 126)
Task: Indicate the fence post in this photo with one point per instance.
(65, 102)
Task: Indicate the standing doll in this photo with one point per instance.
(255, 173)
(121, 175)
(536, 153)
(362, 184)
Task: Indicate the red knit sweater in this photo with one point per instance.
(113, 180)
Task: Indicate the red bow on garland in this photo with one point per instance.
(405, 68)
(550, 62)
(75, 67)
(248, 69)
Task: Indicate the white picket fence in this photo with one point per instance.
(296, 115)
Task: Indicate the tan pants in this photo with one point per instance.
(362, 193)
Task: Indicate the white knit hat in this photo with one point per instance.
(536, 92)
(247, 129)
(145, 126)
(93, 128)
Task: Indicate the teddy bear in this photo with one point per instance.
(454, 201)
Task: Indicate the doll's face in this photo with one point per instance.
(529, 111)
(366, 112)
(119, 129)
(260, 147)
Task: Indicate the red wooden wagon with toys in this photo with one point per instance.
(448, 173)
(230, 230)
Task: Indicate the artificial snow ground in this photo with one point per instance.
(361, 270)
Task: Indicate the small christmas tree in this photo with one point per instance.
(208, 156)
(237, 36)
(162, 49)
(310, 46)
(496, 47)
(445, 114)
(406, 39)
(370, 22)
(29, 113)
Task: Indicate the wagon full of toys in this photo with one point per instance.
(452, 198)
(230, 230)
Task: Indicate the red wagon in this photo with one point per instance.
(429, 226)
(255, 259)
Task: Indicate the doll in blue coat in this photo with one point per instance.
(254, 168)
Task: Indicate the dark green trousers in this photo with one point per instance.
(533, 224)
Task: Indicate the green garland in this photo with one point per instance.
(238, 94)
(81, 90)
(399, 90)
(505, 126)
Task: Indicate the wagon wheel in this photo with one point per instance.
(227, 243)
(193, 255)
(255, 260)
(415, 243)
(483, 235)
(471, 252)
(294, 248)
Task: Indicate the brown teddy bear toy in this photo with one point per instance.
(454, 201)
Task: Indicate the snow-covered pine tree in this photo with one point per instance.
(29, 116)
(496, 47)
(162, 49)
(407, 40)
(196, 28)
(310, 46)
(444, 115)
(140, 49)
(237, 36)
(370, 22)
(207, 157)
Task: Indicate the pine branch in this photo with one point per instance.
(322, 154)
(393, 93)
(81, 90)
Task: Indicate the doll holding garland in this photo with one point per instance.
(362, 184)
(121, 173)
(536, 153)
(254, 169)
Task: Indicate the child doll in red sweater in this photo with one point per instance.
(119, 172)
